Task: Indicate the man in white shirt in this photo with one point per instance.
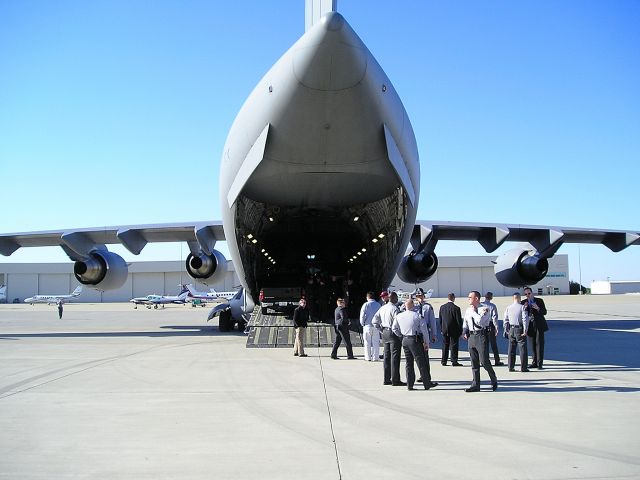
(475, 326)
(516, 322)
(370, 334)
(392, 344)
(408, 325)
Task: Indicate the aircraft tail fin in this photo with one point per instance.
(314, 10)
(77, 291)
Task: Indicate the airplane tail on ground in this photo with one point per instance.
(189, 288)
(77, 291)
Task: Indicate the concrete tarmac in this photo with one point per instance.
(109, 392)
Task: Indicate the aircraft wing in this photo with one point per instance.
(77, 242)
(545, 239)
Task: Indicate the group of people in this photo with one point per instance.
(411, 327)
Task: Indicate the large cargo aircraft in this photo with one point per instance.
(320, 171)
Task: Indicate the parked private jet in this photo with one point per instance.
(155, 300)
(324, 122)
(52, 299)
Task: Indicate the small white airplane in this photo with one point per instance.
(3, 293)
(51, 299)
(404, 296)
(155, 300)
(207, 296)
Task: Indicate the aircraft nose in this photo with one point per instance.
(330, 56)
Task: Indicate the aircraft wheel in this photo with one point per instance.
(225, 322)
(155, 306)
(241, 325)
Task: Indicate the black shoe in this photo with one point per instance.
(472, 389)
(539, 367)
(525, 370)
(512, 369)
(444, 364)
(335, 358)
(431, 385)
(419, 380)
(399, 384)
(499, 364)
(457, 364)
(295, 354)
(494, 387)
(303, 355)
(533, 365)
(387, 383)
(410, 388)
(351, 358)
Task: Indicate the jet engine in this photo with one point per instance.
(517, 268)
(202, 266)
(418, 267)
(101, 269)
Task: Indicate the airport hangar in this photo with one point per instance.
(455, 274)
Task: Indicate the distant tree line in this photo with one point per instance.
(575, 287)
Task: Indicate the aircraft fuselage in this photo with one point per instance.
(320, 170)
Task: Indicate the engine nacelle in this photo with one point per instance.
(103, 270)
(518, 268)
(418, 267)
(209, 267)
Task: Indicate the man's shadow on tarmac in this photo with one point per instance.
(580, 346)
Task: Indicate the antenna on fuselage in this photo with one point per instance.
(315, 9)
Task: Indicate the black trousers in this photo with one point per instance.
(454, 343)
(479, 353)
(342, 333)
(414, 351)
(392, 350)
(537, 347)
(516, 340)
(494, 344)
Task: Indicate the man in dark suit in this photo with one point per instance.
(537, 326)
(451, 328)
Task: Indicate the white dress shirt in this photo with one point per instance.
(368, 310)
(410, 323)
(481, 320)
(493, 312)
(384, 317)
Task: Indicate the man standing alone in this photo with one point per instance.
(476, 327)
(300, 321)
(342, 330)
(451, 328)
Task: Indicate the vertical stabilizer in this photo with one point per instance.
(315, 9)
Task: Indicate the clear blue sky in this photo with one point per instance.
(115, 112)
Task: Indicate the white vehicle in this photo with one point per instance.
(155, 300)
(320, 172)
(52, 299)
